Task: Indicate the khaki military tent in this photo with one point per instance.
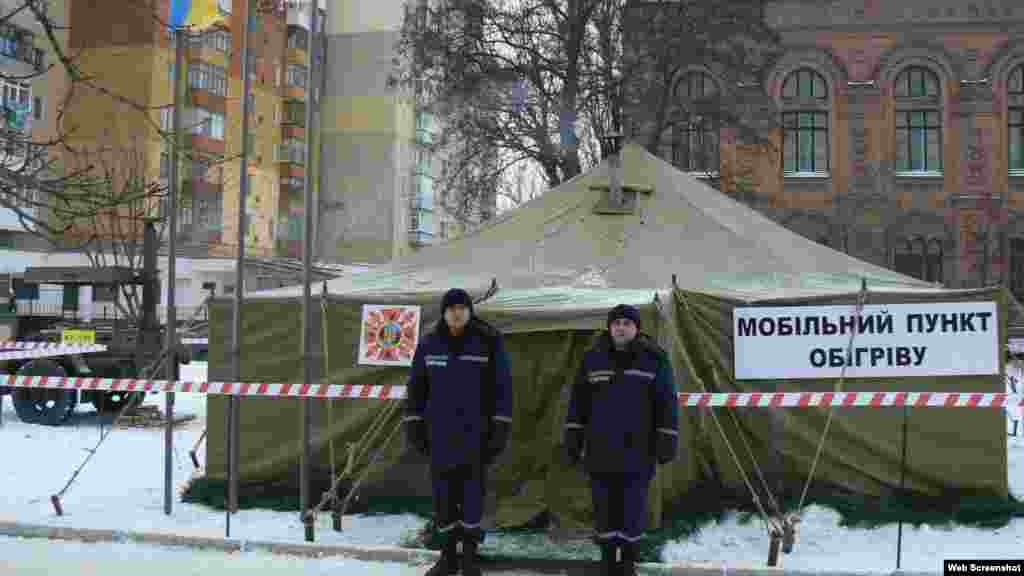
(547, 273)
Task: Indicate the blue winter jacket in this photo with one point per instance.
(459, 393)
(623, 409)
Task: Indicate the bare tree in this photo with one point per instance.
(543, 81)
(113, 235)
(48, 183)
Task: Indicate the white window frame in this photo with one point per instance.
(296, 72)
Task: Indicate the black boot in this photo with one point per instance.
(470, 541)
(608, 564)
(628, 564)
(448, 563)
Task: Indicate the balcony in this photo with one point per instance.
(292, 92)
(289, 170)
(202, 187)
(420, 238)
(297, 56)
(206, 144)
(16, 44)
(208, 100)
(289, 132)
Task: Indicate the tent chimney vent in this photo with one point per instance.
(618, 199)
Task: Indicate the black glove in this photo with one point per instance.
(574, 444)
(416, 434)
(497, 439)
(666, 448)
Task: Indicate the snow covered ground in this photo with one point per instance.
(29, 557)
(122, 488)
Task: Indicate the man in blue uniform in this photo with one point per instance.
(624, 411)
(459, 412)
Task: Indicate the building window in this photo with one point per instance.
(1015, 93)
(297, 38)
(219, 40)
(805, 142)
(292, 183)
(295, 112)
(209, 77)
(206, 123)
(167, 119)
(424, 127)
(208, 213)
(292, 150)
(37, 108)
(805, 133)
(691, 141)
(165, 165)
(296, 76)
(424, 162)
(918, 121)
(16, 93)
(201, 169)
(919, 258)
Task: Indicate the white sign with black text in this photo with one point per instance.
(890, 340)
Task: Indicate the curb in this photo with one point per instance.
(371, 554)
(393, 554)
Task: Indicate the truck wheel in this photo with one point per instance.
(40, 405)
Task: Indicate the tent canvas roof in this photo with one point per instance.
(681, 227)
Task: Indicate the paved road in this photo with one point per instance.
(41, 557)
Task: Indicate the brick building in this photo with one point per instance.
(131, 50)
(901, 134)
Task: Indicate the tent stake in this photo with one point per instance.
(773, 549)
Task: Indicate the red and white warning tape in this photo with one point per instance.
(46, 352)
(853, 399)
(265, 389)
(386, 392)
(18, 345)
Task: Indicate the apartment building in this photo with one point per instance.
(131, 48)
(29, 96)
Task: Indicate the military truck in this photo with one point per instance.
(131, 349)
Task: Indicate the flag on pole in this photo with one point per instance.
(196, 14)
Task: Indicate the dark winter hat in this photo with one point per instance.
(456, 296)
(624, 311)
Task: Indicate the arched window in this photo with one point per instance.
(1015, 119)
(920, 258)
(805, 104)
(691, 141)
(918, 121)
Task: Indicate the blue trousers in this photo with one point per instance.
(458, 495)
(620, 506)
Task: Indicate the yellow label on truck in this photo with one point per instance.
(77, 337)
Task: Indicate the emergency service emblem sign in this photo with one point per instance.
(884, 340)
(389, 335)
